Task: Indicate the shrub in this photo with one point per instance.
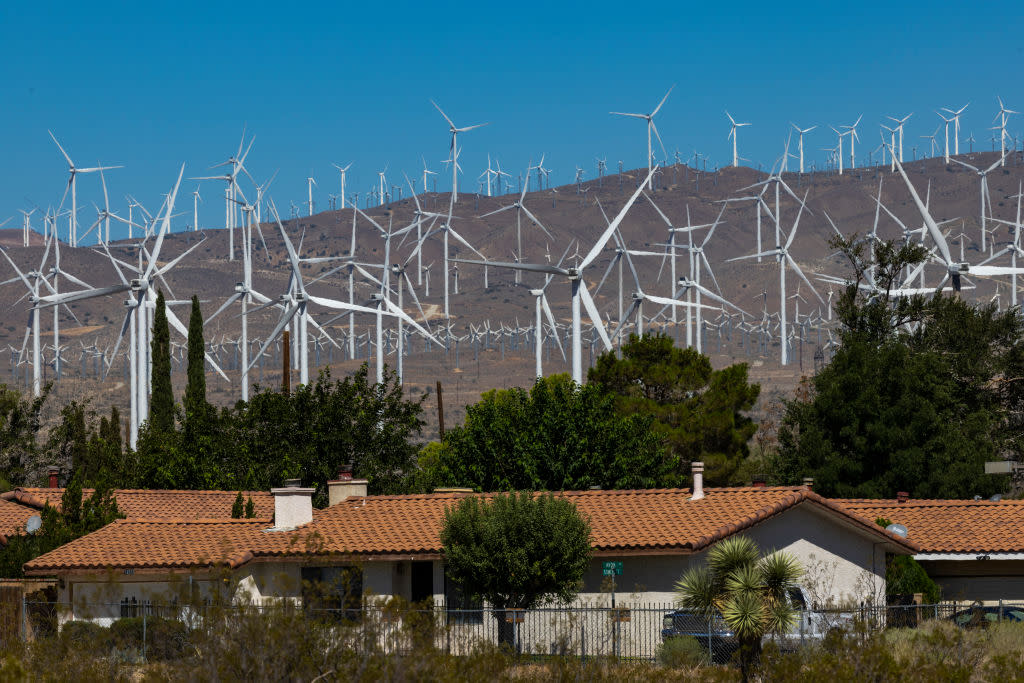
(165, 639)
(677, 653)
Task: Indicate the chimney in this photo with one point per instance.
(902, 496)
(53, 472)
(809, 482)
(760, 481)
(345, 486)
(698, 480)
(293, 505)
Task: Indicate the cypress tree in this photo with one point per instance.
(195, 389)
(161, 417)
(237, 508)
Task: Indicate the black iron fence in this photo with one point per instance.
(632, 632)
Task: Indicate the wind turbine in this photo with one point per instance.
(454, 130)
(985, 199)
(899, 128)
(781, 252)
(732, 134)
(651, 128)
(520, 208)
(800, 141)
(309, 187)
(73, 186)
(955, 115)
(579, 294)
(237, 163)
(26, 226)
(195, 209)
(342, 171)
(852, 132)
(1003, 116)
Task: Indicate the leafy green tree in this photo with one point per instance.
(250, 508)
(161, 413)
(20, 423)
(919, 395)
(196, 407)
(516, 551)
(75, 518)
(697, 410)
(557, 436)
(749, 590)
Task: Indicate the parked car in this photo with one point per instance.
(983, 616)
(712, 634)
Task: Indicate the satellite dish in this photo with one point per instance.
(897, 529)
(996, 498)
(33, 524)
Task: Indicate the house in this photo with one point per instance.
(974, 549)
(386, 546)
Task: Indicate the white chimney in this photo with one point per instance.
(698, 480)
(293, 505)
(345, 486)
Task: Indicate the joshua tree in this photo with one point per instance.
(749, 590)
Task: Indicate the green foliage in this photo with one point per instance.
(905, 576)
(307, 434)
(76, 518)
(196, 407)
(696, 410)
(19, 425)
(916, 411)
(250, 509)
(160, 638)
(684, 651)
(749, 590)
(516, 550)
(237, 507)
(93, 452)
(161, 409)
(557, 436)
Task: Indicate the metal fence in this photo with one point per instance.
(632, 632)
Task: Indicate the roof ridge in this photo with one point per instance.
(197, 520)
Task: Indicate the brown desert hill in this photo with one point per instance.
(569, 216)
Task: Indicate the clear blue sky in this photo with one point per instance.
(151, 86)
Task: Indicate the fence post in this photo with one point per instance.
(24, 616)
(1000, 609)
(144, 610)
(583, 639)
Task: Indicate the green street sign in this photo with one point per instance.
(611, 568)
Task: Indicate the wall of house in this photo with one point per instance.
(986, 580)
(842, 566)
(645, 579)
(99, 598)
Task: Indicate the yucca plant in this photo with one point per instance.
(749, 590)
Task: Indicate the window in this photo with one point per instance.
(333, 592)
(460, 608)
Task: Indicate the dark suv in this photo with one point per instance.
(712, 634)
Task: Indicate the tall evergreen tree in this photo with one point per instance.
(161, 416)
(195, 389)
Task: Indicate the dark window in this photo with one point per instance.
(460, 608)
(333, 592)
(422, 582)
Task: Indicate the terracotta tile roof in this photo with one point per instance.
(13, 517)
(951, 526)
(157, 504)
(163, 543)
(656, 520)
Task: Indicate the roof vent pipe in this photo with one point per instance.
(698, 480)
(809, 482)
(902, 496)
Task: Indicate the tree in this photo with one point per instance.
(516, 551)
(161, 416)
(557, 436)
(749, 590)
(196, 407)
(698, 411)
(75, 518)
(237, 507)
(19, 425)
(919, 395)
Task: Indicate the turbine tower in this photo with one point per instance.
(732, 134)
(454, 130)
(651, 128)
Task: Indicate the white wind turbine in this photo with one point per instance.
(580, 295)
(520, 208)
(899, 123)
(426, 172)
(445, 230)
(342, 170)
(800, 141)
(310, 182)
(986, 200)
(651, 128)
(781, 252)
(237, 163)
(73, 186)
(454, 130)
(32, 280)
(852, 132)
(195, 209)
(955, 116)
(1003, 116)
(732, 135)
(543, 307)
(839, 149)
(26, 226)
